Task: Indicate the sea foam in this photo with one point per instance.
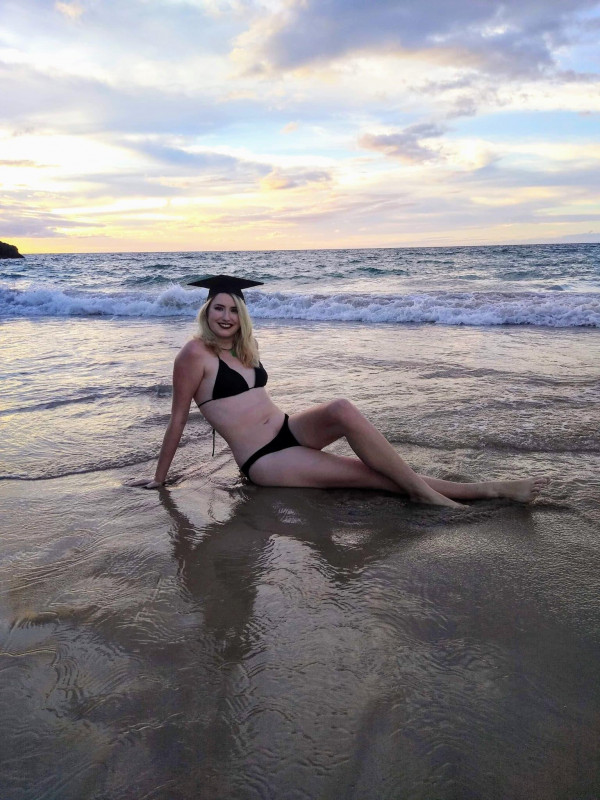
(544, 308)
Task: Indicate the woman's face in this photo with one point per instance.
(223, 316)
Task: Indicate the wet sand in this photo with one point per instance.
(217, 640)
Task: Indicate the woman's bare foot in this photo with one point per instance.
(146, 483)
(523, 491)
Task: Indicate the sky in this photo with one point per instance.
(170, 125)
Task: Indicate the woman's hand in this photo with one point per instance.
(145, 483)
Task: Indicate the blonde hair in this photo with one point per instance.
(244, 343)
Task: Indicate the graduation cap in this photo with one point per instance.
(224, 283)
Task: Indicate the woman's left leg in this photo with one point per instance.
(524, 490)
(324, 424)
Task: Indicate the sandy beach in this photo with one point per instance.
(215, 641)
(220, 640)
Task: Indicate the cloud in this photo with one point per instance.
(292, 179)
(204, 161)
(514, 37)
(497, 176)
(163, 170)
(72, 10)
(239, 174)
(32, 99)
(407, 145)
(346, 211)
(20, 220)
(118, 185)
(186, 172)
(132, 30)
(21, 162)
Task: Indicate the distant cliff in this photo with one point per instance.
(9, 251)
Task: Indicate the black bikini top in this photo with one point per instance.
(230, 382)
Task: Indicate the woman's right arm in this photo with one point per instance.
(188, 372)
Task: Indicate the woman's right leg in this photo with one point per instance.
(319, 426)
(323, 424)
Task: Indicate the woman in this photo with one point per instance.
(219, 369)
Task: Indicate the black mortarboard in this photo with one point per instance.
(224, 283)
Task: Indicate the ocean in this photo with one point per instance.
(220, 640)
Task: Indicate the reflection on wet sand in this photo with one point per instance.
(221, 641)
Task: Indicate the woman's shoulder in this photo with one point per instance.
(195, 350)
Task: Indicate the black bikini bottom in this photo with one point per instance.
(284, 439)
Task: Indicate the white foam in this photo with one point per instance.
(550, 309)
(174, 301)
(448, 308)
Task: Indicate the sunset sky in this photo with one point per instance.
(266, 124)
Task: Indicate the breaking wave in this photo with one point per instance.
(547, 309)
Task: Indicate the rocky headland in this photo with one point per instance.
(9, 251)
